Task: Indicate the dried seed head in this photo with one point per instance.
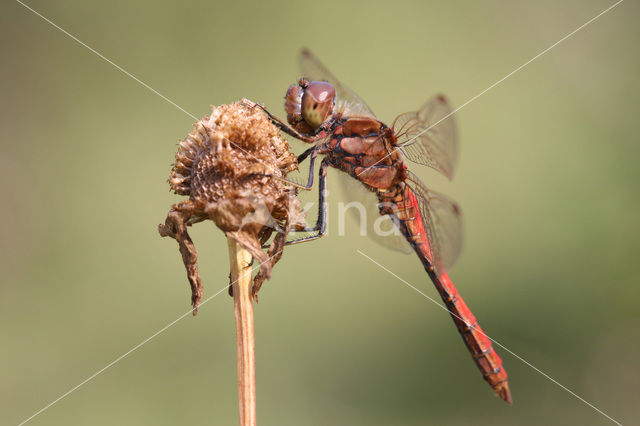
(228, 166)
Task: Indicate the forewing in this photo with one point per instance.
(428, 136)
(347, 101)
(362, 205)
(442, 221)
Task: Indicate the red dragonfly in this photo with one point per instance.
(320, 110)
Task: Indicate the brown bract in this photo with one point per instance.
(228, 166)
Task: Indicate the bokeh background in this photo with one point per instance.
(548, 179)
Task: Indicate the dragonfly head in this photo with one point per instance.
(309, 104)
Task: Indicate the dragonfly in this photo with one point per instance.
(342, 128)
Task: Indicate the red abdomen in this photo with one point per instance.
(408, 219)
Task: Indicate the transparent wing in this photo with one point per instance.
(442, 221)
(362, 205)
(428, 136)
(347, 101)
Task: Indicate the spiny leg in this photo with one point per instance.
(279, 123)
(312, 163)
(305, 154)
(321, 223)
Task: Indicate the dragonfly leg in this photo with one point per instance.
(321, 223)
(312, 163)
(305, 154)
(281, 124)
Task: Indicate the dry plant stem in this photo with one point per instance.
(240, 260)
(228, 166)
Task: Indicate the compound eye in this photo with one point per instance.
(317, 103)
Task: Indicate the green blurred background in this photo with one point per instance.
(548, 180)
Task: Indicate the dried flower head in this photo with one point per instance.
(226, 166)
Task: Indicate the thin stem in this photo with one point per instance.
(240, 260)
